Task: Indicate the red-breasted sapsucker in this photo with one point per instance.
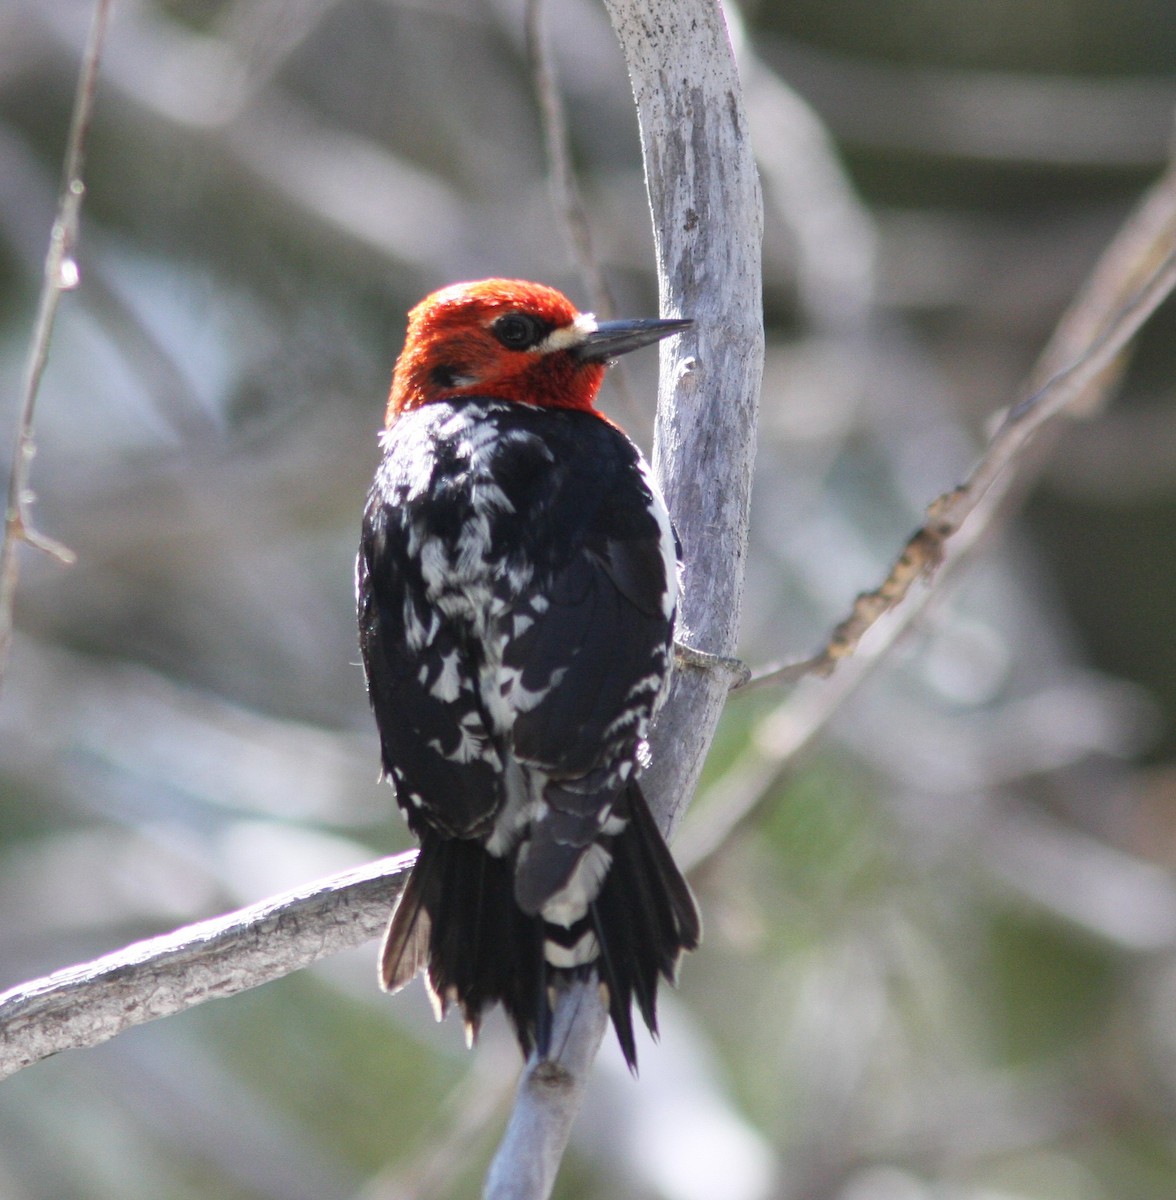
(517, 586)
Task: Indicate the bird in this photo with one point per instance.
(518, 584)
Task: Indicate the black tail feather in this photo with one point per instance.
(616, 981)
(406, 944)
(458, 920)
(481, 948)
(646, 915)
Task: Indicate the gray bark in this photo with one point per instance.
(707, 220)
(87, 1004)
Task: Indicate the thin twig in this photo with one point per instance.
(60, 275)
(565, 191)
(736, 797)
(90, 1003)
(1132, 279)
(569, 205)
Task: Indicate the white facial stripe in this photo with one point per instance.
(567, 336)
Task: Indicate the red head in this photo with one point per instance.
(506, 339)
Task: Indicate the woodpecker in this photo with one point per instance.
(517, 587)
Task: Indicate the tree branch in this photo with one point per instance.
(88, 1004)
(60, 275)
(707, 221)
(705, 202)
(705, 199)
(1131, 278)
(1074, 374)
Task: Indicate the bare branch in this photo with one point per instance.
(565, 192)
(548, 1099)
(1130, 280)
(707, 221)
(569, 205)
(60, 275)
(88, 1004)
(1074, 374)
(705, 198)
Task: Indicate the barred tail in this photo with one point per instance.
(458, 920)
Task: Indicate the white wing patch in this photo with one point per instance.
(473, 744)
(516, 697)
(447, 685)
(418, 634)
(524, 804)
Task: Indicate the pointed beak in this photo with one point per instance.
(613, 338)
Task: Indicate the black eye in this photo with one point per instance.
(520, 331)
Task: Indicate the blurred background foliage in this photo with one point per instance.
(940, 960)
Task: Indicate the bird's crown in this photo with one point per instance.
(508, 339)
